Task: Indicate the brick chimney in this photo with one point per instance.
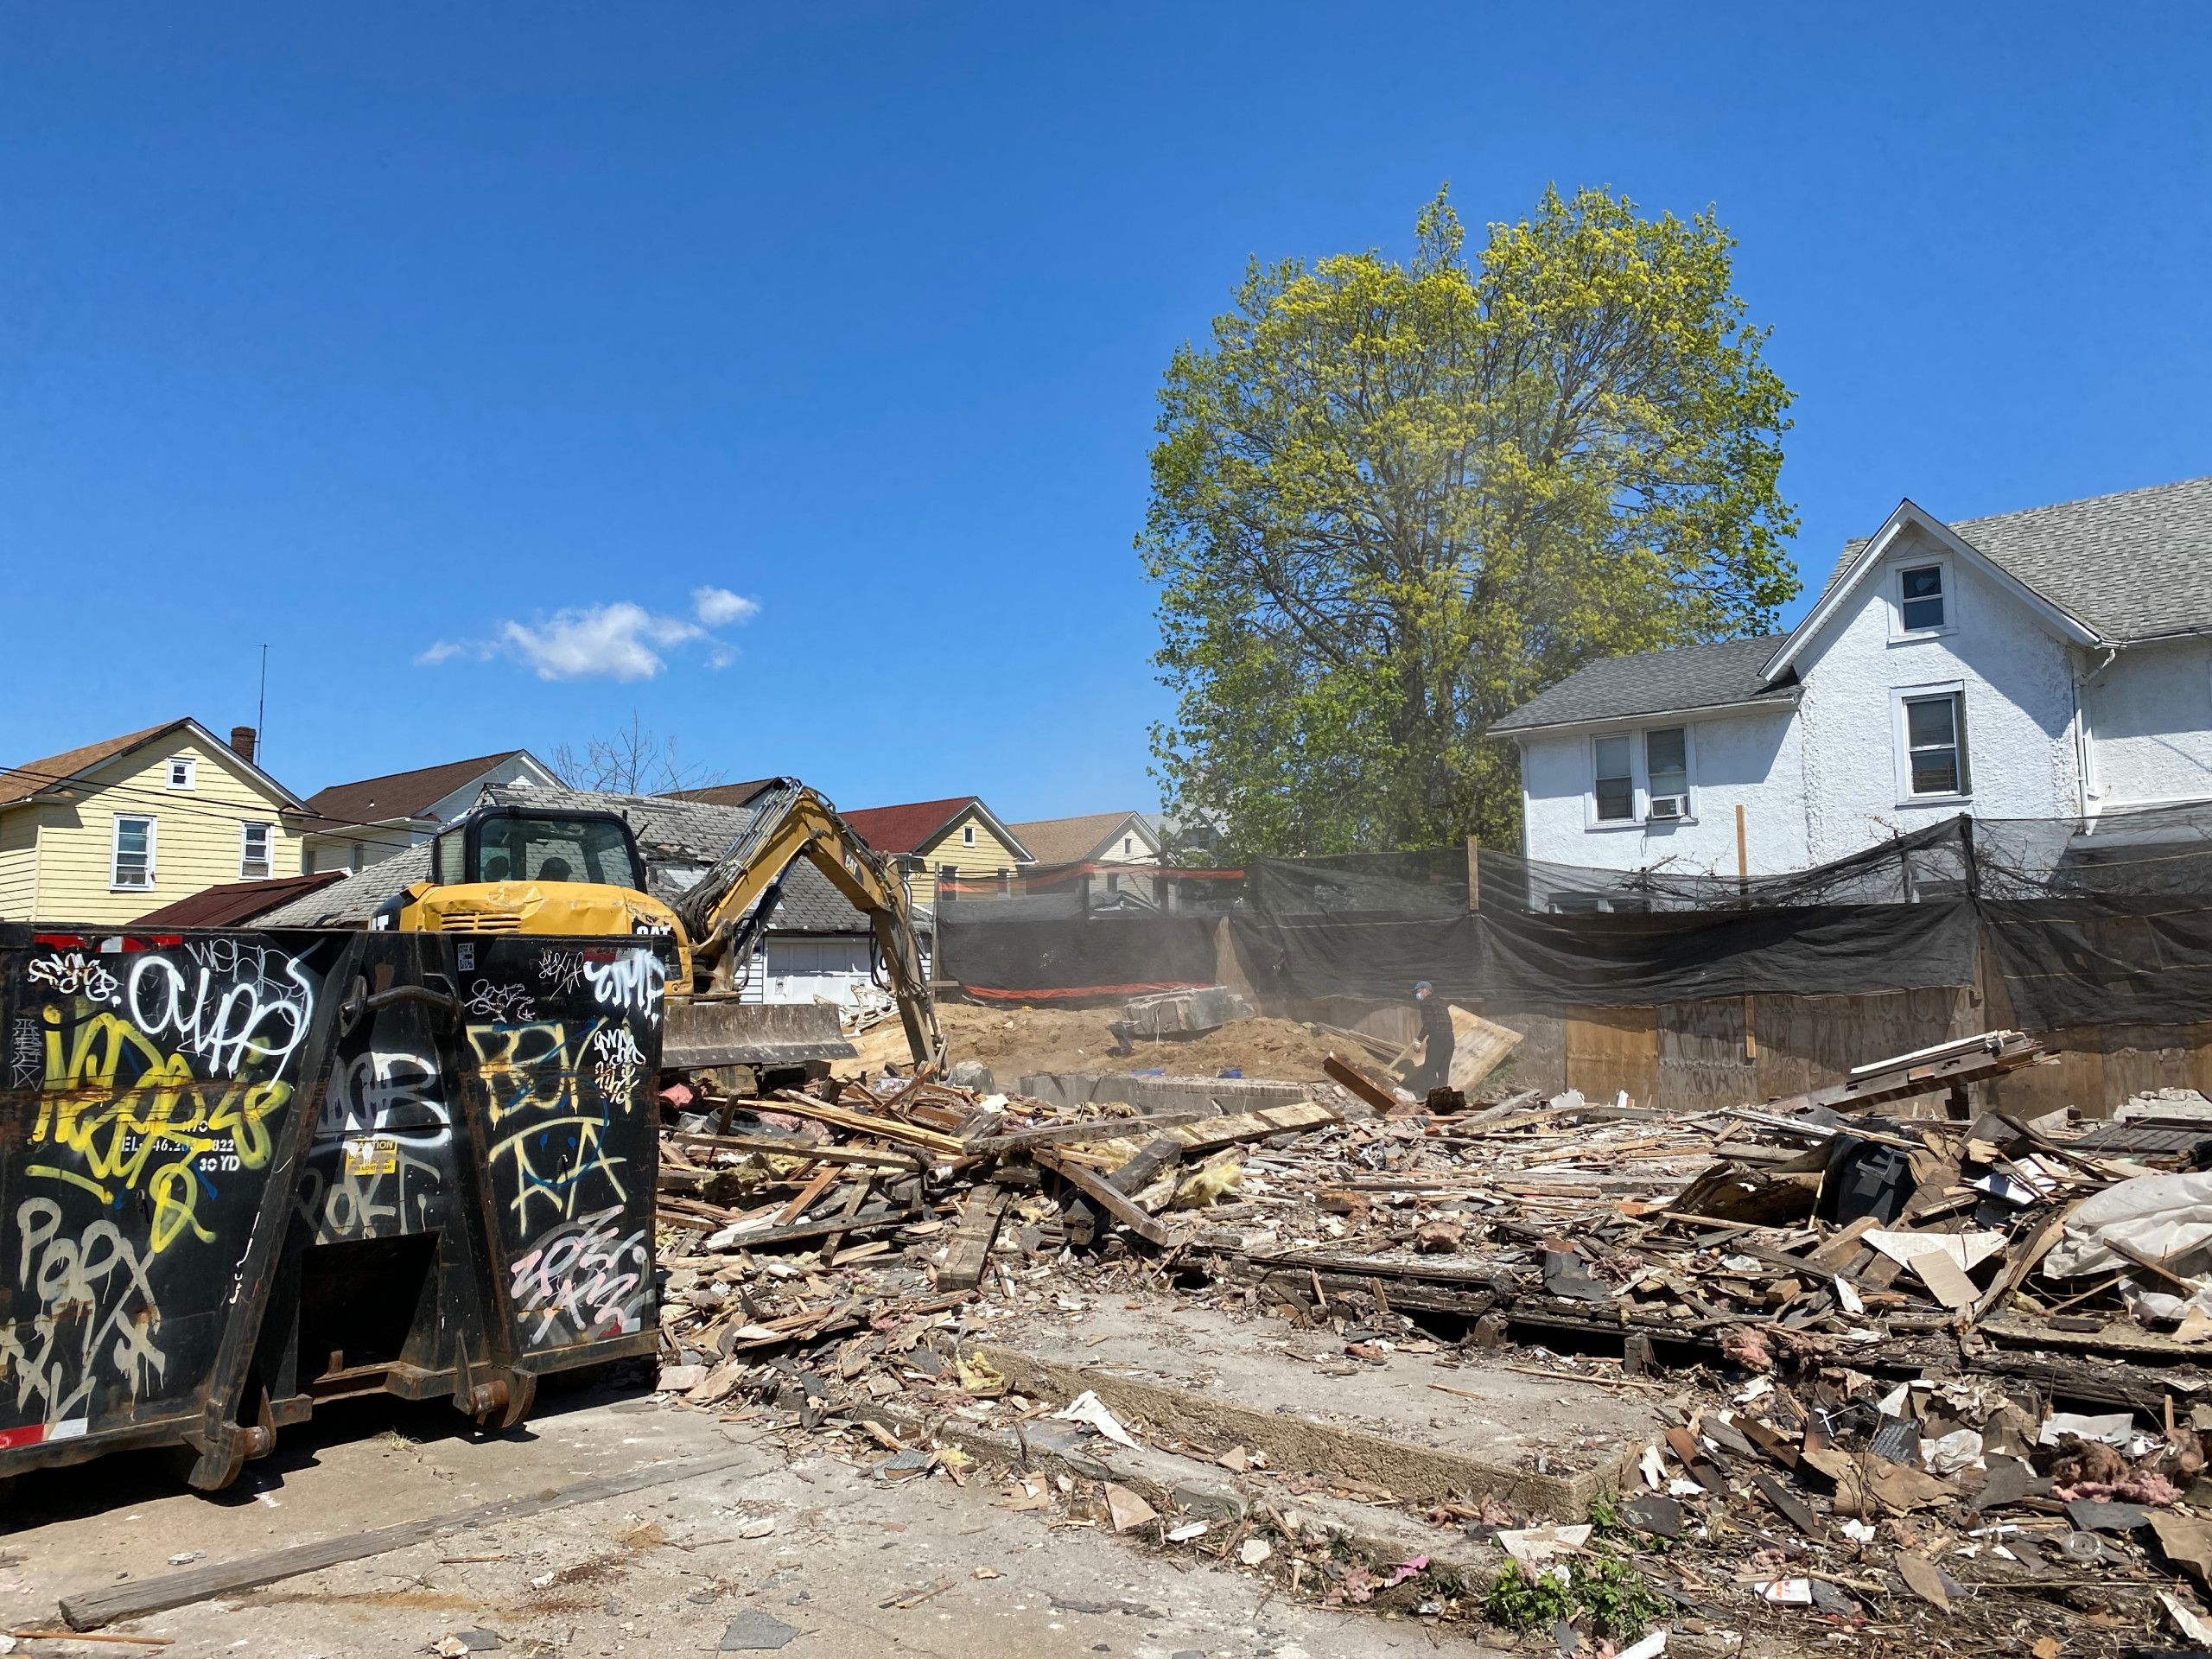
(242, 742)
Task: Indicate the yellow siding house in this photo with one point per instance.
(104, 834)
(960, 835)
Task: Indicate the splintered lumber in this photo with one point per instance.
(1090, 1128)
(1479, 1047)
(970, 1249)
(1925, 1071)
(884, 1128)
(804, 1202)
(864, 1221)
(1094, 1187)
(777, 1146)
(109, 1603)
(1206, 1134)
(1138, 1173)
(1360, 1083)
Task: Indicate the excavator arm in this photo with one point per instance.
(724, 912)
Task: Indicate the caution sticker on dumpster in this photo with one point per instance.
(371, 1155)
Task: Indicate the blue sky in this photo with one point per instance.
(825, 339)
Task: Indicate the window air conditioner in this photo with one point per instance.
(1670, 806)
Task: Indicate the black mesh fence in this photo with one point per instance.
(2089, 921)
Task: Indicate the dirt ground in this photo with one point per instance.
(1014, 1040)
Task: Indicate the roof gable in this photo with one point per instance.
(919, 825)
(1910, 516)
(1071, 840)
(2135, 565)
(75, 768)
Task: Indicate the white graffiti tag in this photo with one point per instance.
(72, 973)
(617, 1064)
(561, 970)
(398, 1095)
(584, 1273)
(88, 1289)
(232, 1016)
(632, 981)
(26, 1053)
(507, 1004)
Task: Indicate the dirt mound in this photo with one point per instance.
(1016, 1040)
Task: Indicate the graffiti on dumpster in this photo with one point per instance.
(507, 1004)
(547, 1126)
(632, 983)
(582, 1279)
(618, 1064)
(231, 1013)
(96, 1316)
(73, 974)
(561, 967)
(381, 1125)
(26, 1053)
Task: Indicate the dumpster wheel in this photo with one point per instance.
(501, 1402)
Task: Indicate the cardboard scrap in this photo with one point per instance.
(1126, 1509)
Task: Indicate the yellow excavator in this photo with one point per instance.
(507, 869)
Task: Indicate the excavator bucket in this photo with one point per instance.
(244, 1172)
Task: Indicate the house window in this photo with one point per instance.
(1615, 783)
(254, 841)
(183, 772)
(1128, 845)
(1920, 599)
(131, 864)
(307, 861)
(967, 835)
(1936, 744)
(1665, 756)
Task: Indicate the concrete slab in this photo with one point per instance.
(1546, 1446)
(858, 1569)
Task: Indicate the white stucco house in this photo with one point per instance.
(2051, 663)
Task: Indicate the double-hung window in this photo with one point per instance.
(1666, 764)
(1936, 745)
(131, 857)
(1615, 785)
(255, 840)
(183, 772)
(1920, 598)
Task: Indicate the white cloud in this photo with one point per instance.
(619, 641)
(716, 606)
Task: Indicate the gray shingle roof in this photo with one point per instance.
(2134, 566)
(1656, 682)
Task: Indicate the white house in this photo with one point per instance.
(2051, 663)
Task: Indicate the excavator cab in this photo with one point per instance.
(519, 869)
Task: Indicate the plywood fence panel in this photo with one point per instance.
(1609, 1050)
(1703, 1063)
(1541, 1061)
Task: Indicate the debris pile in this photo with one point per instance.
(1901, 1360)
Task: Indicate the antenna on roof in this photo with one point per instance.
(261, 711)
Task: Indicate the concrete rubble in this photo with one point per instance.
(1570, 1373)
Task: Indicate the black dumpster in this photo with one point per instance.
(241, 1173)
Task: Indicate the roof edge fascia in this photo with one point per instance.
(1790, 699)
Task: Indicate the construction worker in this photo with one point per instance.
(1435, 1069)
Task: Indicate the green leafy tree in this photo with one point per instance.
(1391, 503)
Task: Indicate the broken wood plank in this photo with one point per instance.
(1096, 1129)
(777, 1146)
(1093, 1186)
(866, 1221)
(1209, 1134)
(1139, 1173)
(885, 1129)
(813, 1190)
(970, 1249)
(94, 1608)
(1360, 1083)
